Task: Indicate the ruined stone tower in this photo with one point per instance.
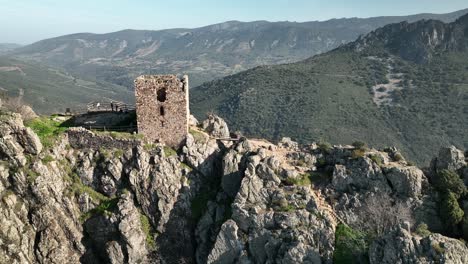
(162, 108)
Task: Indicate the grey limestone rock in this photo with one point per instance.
(216, 127)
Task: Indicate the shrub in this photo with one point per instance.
(438, 248)
(449, 181)
(351, 246)
(301, 180)
(147, 229)
(47, 159)
(398, 157)
(359, 145)
(168, 151)
(358, 153)
(118, 153)
(423, 230)
(377, 159)
(450, 209)
(31, 175)
(106, 207)
(325, 147)
(287, 208)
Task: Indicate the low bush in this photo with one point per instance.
(359, 145)
(301, 180)
(438, 248)
(423, 230)
(148, 230)
(351, 246)
(168, 151)
(358, 153)
(377, 159)
(398, 157)
(325, 147)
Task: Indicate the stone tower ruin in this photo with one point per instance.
(162, 108)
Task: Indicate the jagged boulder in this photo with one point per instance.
(17, 140)
(405, 181)
(401, 246)
(227, 248)
(216, 127)
(359, 174)
(449, 158)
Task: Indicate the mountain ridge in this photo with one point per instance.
(205, 53)
(355, 92)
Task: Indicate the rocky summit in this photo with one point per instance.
(78, 196)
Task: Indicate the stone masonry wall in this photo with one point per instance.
(81, 138)
(162, 108)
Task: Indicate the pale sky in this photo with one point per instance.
(27, 21)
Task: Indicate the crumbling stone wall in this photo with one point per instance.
(162, 108)
(81, 138)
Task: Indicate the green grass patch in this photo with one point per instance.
(351, 246)
(148, 230)
(286, 208)
(31, 175)
(377, 159)
(118, 153)
(46, 129)
(149, 146)
(301, 180)
(106, 207)
(185, 166)
(198, 136)
(47, 159)
(168, 151)
(423, 230)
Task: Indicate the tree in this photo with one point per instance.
(448, 181)
(450, 209)
(379, 214)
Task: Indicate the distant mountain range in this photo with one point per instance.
(8, 47)
(405, 84)
(204, 53)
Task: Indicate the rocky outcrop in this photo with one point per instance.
(216, 127)
(213, 201)
(16, 141)
(401, 246)
(405, 181)
(358, 175)
(449, 158)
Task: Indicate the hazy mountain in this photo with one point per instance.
(405, 84)
(205, 53)
(7, 47)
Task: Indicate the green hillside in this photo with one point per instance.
(362, 91)
(49, 90)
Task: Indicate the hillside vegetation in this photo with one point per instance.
(367, 90)
(50, 90)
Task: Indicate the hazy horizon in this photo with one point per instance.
(30, 21)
